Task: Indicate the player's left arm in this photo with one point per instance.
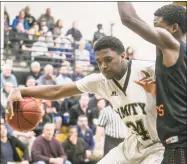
(157, 36)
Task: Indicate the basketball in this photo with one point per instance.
(27, 115)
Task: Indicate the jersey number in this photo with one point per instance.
(139, 128)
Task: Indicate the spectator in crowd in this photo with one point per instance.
(2, 110)
(17, 38)
(81, 108)
(130, 53)
(7, 76)
(8, 148)
(47, 78)
(5, 91)
(6, 19)
(23, 22)
(49, 39)
(99, 33)
(77, 74)
(82, 56)
(8, 127)
(47, 149)
(74, 32)
(49, 19)
(35, 71)
(34, 32)
(30, 81)
(58, 124)
(86, 134)
(29, 17)
(110, 124)
(26, 138)
(100, 104)
(63, 77)
(74, 147)
(45, 119)
(58, 30)
(39, 49)
(7, 27)
(43, 28)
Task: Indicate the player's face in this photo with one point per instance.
(109, 62)
(159, 22)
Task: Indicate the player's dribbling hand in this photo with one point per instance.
(15, 95)
(147, 83)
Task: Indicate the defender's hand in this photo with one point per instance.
(147, 83)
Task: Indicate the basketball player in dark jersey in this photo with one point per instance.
(171, 94)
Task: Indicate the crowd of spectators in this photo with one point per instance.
(66, 133)
(44, 39)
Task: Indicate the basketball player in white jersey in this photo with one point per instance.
(116, 84)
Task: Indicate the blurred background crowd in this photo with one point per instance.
(37, 51)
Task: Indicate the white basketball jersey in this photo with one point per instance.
(137, 108)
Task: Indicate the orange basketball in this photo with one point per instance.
(27, 115)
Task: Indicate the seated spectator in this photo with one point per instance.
(39, 48)
(99, 33)
(5, 91)
(82, 56)
(43, 28)
(6, 20)
(49, 19)
(2, 110)
(29, 17)
(45, 119)
(81, 108)
(62, 107)
(74, 32)
(47, 78)
(30, 82)
(8, 148)
(7, 76)
(23, 22)
(58, 30)
(74, 147)
(77, 74)
(10, 131)
(34, 32)
(35, 71)
(7, 28)
(18, 37)
(47, 149)
(58, 124)
(130, 53)
(26, 138)
(63, 77)
(100, 104)
(49, 39)
(86, 134)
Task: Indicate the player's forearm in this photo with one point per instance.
(50, 92)
(126, 11)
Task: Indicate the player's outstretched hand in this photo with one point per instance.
(15, 95)
(147, 83)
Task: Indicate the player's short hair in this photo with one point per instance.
(173, 13)
(109, 42)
